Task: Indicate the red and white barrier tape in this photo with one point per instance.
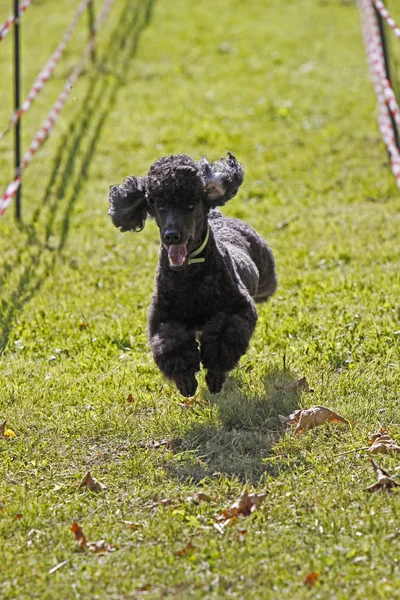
(47, 71)
(383, 88)
(5, 28)
(49, 123)
(386, 15)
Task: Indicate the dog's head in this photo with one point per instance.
(178, 193)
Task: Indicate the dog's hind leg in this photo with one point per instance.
(176, 353)
(224, 340)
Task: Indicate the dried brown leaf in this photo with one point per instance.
(290, 419)
(299, 384)
(83, 544)
(377, 434)
(100, 547)
(155, 502)
(198, 497)
(310, 579)
(188, 403)
(92, 484)
(381, 442)
(385, 480)
(158, 443)
(79, 536)
(188, 549)
(313, 417)
(256, 500)
(244, 506)
(240, 534)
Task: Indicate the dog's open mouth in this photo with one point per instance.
(177, 254)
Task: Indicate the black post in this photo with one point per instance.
(17, 134)
(92, 30)
(382, 34)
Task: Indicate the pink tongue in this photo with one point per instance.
(177, 254)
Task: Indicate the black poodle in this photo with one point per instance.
(210, 266)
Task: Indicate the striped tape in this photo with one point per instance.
(387, 103)
(52, 117)
(47, 71)
(5, 28)
(386, 15)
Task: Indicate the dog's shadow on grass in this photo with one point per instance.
(46, 234)
(240, 433)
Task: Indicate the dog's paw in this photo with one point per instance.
(215, 380)
(186, 384)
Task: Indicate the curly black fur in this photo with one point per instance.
(203, 311)
(128, 207)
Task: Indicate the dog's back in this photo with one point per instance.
(247, 253)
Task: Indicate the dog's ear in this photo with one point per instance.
(128, 205)
(222, 179)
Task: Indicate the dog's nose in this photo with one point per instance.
(171, 236)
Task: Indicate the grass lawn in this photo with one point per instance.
(285, 86)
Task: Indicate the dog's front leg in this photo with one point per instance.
(224, 340)
(176, 353)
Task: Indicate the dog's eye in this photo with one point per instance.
(190, 207)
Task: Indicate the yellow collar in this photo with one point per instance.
(192, 257)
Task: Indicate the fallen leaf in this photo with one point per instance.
(129, 398)
(143, 588)
(198, 497)
(18, 517)
(79, 536)
(310, 579)
(240, 533)
(166, 502)
(188, 549)
(92, 484)
(83, 544)
(187, 403)
(290, 419)
(299, 384)
(381, 442)
(313, 417)
(158, 443)
(244, 506)
(163, 502)
(385, 480)
(99, 547)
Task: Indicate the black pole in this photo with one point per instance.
(92, 30)
(382, 34)
(17, 134)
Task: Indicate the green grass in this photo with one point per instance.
(285, 87)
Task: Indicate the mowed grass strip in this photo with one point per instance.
(284, 86)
